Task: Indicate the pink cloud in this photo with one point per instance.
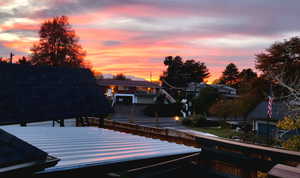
(134, 49)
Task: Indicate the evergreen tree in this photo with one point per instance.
(230, 75)
(245, 81)
(180, 73)
(281, 56)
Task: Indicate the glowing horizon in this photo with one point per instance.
(134, 37)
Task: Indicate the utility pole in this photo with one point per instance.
(11, 58)
(150, 76)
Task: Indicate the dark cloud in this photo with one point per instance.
(5, 16)
(112, 43)
(57, 7)
(23, 33)
(255, 17)
(156, 60)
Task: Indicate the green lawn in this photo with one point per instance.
(221, 132)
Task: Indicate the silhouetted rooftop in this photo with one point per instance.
(129, 83)
(31, 93)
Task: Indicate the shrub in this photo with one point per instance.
(200, 120)
(224, 124)
(207, 97)
(197, 120)
(293, 143)
(186, 121)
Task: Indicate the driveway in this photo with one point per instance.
(134, 114)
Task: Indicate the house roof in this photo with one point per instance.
(128, 83)
(40, 93)
(279, 111)
(86, 147)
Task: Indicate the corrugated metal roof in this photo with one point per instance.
(90, 146)
(128, 83)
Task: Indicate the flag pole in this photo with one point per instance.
(270, 102)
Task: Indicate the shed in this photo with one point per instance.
(262, 123)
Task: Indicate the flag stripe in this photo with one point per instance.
(270, 102)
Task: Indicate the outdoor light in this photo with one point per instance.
(176, 118)
(112, 89)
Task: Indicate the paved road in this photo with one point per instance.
(131, 113)
(134, 113)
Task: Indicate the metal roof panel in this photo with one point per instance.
(79, 147)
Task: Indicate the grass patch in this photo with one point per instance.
(221, 132)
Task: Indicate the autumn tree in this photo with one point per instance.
(242, 105)
(222, 109)
(179, 73)
(230, 75)
(58, 45)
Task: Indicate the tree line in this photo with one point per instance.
(58, 45)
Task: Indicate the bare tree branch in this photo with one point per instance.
(292, 85)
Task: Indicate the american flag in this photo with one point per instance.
(270, 101)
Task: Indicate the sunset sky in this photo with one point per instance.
(134, 36)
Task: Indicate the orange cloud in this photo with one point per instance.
(22, 46)
(20, 26)
(134, 52)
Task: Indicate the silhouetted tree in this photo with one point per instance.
(245, 80)
(120, 76)
(280, 56)
(24, 60)
(98, 75)
(230, 75)
(247, 74)
(58, 45)
(180, 73)
(3, 60)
